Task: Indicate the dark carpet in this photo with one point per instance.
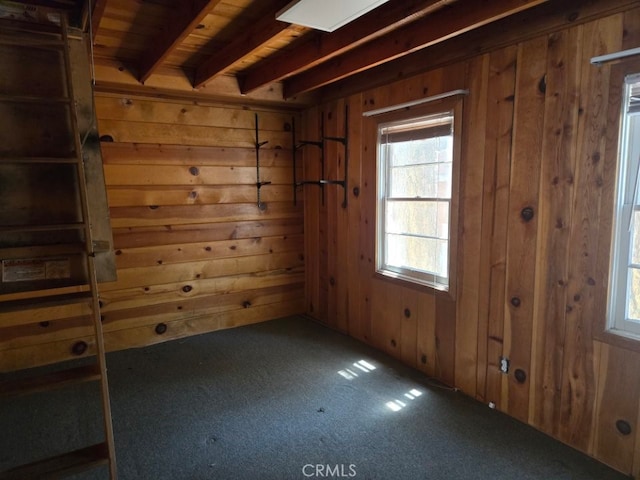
(287, 399)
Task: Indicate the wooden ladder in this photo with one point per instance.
(29, 310)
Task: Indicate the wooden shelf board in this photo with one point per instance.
(45, 302)
(61, 465)
(47, 160)
(49, 44)
(34, 99)
(50, 381)
(41, 228)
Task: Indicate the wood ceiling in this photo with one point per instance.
(237, 47)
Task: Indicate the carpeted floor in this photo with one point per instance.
(287, 399)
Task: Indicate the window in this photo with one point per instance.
(415, 186)
(624, 293)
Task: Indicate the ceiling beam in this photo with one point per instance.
(182, 21)
(524, 26)
(324, 46)
(260, 33)
(435, 28)
(97, 12)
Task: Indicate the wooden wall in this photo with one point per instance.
(539, 131)
(194, 252)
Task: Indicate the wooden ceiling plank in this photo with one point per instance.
(324, 46)
(441, 25)
(188, 14)
(243, 45)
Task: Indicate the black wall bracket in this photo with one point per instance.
(321, 144)
(259, 183)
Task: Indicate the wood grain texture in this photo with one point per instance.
(579, 381)
(556, 186)
(539, 132)
(500, 98)
(190, 240)
(470, 284)
(617, 399)
(522, 235)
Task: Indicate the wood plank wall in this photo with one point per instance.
(538, 131)
(194, 252)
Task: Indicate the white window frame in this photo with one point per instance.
(431, 280)
(626, 202)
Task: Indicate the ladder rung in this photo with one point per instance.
(61, 465)
(41, 228)
(50, 381)
(42, 251)
(52, 160)
(32, 43)
(34, 99)
(45, 302)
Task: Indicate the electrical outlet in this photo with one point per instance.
(504, 365)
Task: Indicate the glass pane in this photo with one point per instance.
(416, 152)
(415, 253)
(635, 239)
(421, 181)
(426, 218)
(633, 299)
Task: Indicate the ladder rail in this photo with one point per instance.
(22, 309)
(91, 267)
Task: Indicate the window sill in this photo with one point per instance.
(404, 282)
(624, 340)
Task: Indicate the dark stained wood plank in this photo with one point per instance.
(522, 236)
(387, 315)
(617, 400)
(339, 255)
(367, 225)
(557, 184)
(354, 254)
(426, 359)
(579, 380)
(445, 339)
(500, 96)
(62, 465)
(183, 20)
(408, 340)
(434, 28)
(308, 157)
(48, 382)
(324, 46)
(470, 283)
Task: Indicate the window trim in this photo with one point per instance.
(616, 321)
(455, 106)
(601, 330)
